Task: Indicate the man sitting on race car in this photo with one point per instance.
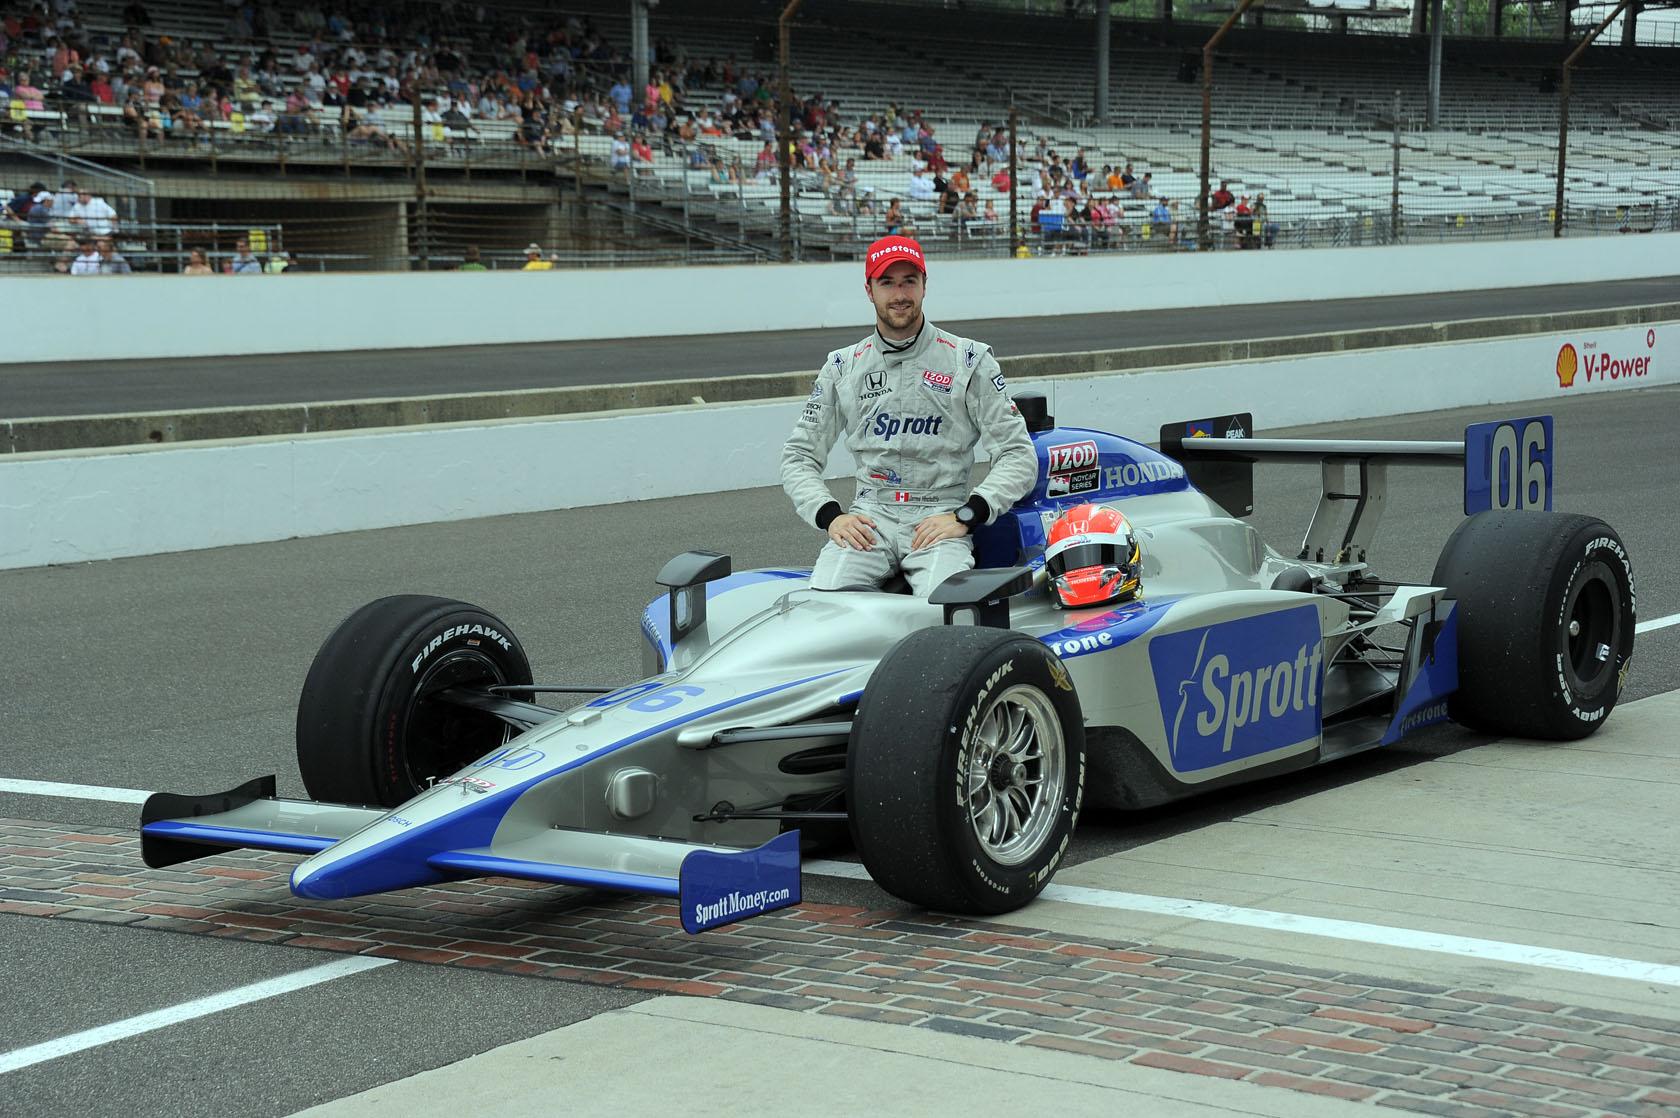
(1091, 558)
(912, 402)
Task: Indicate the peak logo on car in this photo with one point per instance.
(1239, 688)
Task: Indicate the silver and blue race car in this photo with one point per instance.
(952, 740)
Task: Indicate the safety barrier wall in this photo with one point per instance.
(116, 318)
(100, 504)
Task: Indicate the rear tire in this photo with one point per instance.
(1545, 622)
(966, 769)
(368, 730)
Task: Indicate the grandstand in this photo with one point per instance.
(421, 155)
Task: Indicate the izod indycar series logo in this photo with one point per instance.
(939, 382)
(1240, 688)
(1072, 456)
(1593, 363)
(1072, 468)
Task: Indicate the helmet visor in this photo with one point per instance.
(1084, 555)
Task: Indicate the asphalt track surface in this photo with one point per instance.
(101, 388)
(182, 671)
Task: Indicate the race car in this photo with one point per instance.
(952, 740)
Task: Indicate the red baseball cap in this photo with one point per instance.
(888, 251)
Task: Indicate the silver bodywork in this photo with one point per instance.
(750, 711)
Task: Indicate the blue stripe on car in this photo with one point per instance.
(371, 871)
(1108, 629)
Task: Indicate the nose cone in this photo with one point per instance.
(331, 875)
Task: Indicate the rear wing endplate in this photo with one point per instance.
(1507, 465)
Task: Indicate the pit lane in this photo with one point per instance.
(181, 671)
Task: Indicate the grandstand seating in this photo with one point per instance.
(1311, 128)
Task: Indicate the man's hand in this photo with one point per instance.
(852, 530)
(940, 526)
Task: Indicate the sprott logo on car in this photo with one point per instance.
(1240, 688)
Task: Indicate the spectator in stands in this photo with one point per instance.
(1245, 224)
(990, 214)
(1078, 167)
(1144, 187)
(534, 261)
(1160, 221)
(141, 117)
(997, 148)
(92, 214)
(243, 262)
(279, 264)
(87, 259)
(471, 262)
(363, 128)
(1222, 197)
(197, 264)
(1000, 180)
(895, 222)
(262, 121)
(1268, 229)
(111, 262)
(921, 187)
(618, 158)
(1100, 217)
(642, 152)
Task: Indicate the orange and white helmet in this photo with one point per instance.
(1092, 558)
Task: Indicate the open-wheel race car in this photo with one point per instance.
(954, 738)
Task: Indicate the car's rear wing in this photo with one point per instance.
(1507, 465)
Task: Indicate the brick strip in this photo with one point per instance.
(1402, 1045)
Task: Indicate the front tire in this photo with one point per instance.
(966, 769)
(1546, 614)
(370, 729)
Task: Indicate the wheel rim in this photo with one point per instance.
(1591, 634)
(1017, 773)
(440, 738)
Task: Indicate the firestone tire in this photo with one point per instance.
(1546, 614)
(966, 769)
(369, 730)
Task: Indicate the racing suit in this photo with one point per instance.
(911, 419)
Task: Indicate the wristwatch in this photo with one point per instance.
(966, 516)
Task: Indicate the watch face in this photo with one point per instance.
(965, 515)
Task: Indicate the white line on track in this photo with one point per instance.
(186, 1011)
(1657, 623)
(1605, 966)
(73, 791)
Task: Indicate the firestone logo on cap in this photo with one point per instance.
(887, 251)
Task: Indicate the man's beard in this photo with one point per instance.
(898, 319)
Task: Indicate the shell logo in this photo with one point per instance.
(1567, 364)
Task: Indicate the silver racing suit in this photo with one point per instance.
(911, 420)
